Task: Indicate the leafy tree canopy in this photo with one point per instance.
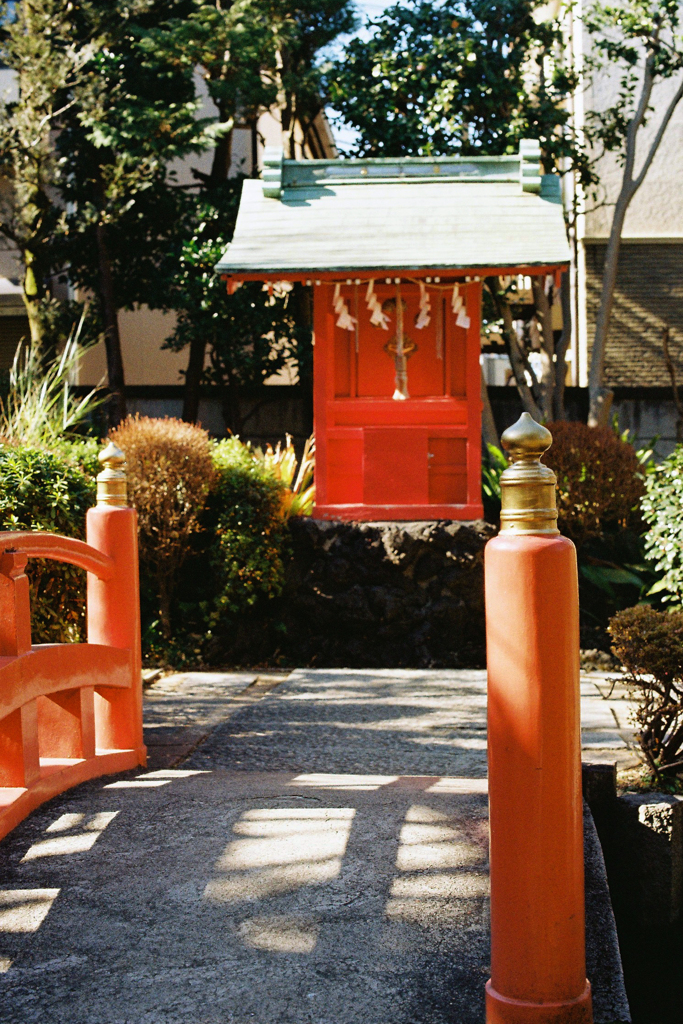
(457, 77)
(249, 335)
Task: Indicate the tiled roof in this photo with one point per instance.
(353, 215)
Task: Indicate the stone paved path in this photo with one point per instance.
(321, 858)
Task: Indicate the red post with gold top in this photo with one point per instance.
(114, 604)
(538, 969)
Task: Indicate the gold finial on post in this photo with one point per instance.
(112, 485)
(527, 486)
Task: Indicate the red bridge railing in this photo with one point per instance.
(71, 712)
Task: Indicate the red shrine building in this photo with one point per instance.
(395, 252)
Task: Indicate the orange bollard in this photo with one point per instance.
(538, 968)
(114, 606)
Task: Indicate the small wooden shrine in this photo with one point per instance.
(395, 251)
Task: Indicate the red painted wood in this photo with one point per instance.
(394, 465)
(381, 458)
(447, 411)
(473, 388)
(419, 273)
(382, 513)
(61, 549)
(69, 712)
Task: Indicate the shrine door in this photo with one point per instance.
(397, 408)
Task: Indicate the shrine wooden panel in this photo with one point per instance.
(397, 400)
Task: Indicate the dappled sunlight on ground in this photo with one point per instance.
(89, 827)
(321, 857)
(285, 850)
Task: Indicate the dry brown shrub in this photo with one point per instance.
(649, 645)
(598, 480)
(170, 471)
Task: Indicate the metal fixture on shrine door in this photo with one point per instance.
(538, 971)
(71, 712)
(395, 252)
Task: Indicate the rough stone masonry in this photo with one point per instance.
(392, 595)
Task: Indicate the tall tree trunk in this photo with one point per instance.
(302, 300)
(559, 412)
(220, 169)
(489, 431)
(520, 365)
(193, 379)
(222, 154)
(230, 407)
(253, 135)
(33, 293)
(544, 314)
(112, 338)
(600, 397)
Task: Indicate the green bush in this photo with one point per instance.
(42, 490)
(662, 510)
(235, 559)
(649, 644)
(245, 517)
(599, 480)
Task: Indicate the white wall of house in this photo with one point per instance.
(656, 212)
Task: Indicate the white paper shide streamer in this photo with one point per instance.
(344, 318)
(458, 307)
(278, 289)
(377, 317)
(424, 315)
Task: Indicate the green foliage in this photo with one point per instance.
(236, 561)
(81, 452)
(41, 490)
(37, 42)
(304, 29)
(649, 644)
(244, 517)
(662, 510)
(464, 76)
(132, 111)
(251, 334)
(298, 495)
(273, 47)
(625, 36)
(492, 467)
(206, 34)
(599, 480)
(40, 407)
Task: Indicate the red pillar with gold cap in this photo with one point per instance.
(538, 970)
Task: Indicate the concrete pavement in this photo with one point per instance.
(319, 858)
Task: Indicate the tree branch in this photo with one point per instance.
(658, 137)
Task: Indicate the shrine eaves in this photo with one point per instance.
(395, 250)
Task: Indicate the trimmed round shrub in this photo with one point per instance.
(41, 490)
(599, 483)
(170, 472)
(649, 644)
(662, 510)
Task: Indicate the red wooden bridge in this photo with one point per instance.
(70, 712)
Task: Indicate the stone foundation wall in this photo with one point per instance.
(391, 595)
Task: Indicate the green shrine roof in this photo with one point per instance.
(394, 214)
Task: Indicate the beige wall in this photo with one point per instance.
(656, 211)
(143, 332)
